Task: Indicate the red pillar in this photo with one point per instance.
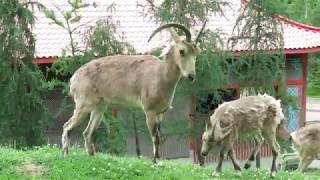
(114, 112)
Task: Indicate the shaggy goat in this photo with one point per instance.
(307, 142)
(257, 116)
(139, 80)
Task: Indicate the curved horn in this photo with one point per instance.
(206, 126)
(200, 32)
(179, 26)
(221, 133)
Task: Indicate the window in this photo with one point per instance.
(294, 69)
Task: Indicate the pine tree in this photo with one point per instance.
(23, 115)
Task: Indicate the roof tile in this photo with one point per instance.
(52, 39)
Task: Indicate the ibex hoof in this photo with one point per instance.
(160, 164)
(238, 173)
(65, 151)
(215, 174)
(90, 152)
(154, 160)
(247, 166)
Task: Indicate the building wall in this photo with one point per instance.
(296, 83)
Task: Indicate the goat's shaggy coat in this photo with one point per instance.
(307, 142)
(258, 116)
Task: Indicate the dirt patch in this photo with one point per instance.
(30, 168)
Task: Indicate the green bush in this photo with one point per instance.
(111, 137)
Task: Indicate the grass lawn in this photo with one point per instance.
(48, 163)
(313, 92)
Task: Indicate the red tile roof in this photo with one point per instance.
(52, 39)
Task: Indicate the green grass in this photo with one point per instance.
(313, 91)
(78, 165)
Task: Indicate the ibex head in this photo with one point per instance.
(214, 136)
(182, 51)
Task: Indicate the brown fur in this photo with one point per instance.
(307, 142)
(143, 81)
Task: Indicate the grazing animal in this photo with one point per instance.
(143, 81)
(258, 116)
(306, 141)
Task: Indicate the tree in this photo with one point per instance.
(306, 11)
(258, 32)
(22, 112)
(68, 18)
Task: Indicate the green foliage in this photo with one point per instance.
(314, 75)
(111, 137)
(270, 7)
(101, 40)
(259, 71)
(257, 31)
(184, 12)
(312, 91)
(22, 111)
(285, 145)
(211, 66)
(67, 65)
(307, 11)
(78, 165)
(68, 18)
(104, 40)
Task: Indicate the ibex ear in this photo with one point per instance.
(272, 109)
(208, 124)
(174, 35)
(221, 133)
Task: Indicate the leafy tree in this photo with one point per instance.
(22, 112)
(306, 11)
(257, 31)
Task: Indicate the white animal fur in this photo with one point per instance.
(255, 115)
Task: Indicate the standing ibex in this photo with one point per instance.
(140, 80)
